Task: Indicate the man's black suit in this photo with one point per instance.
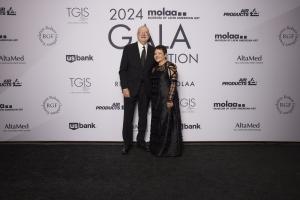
(137, 79)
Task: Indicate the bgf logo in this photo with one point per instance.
(81, 82)
(48, 36)
(78, 12)
(51, 105)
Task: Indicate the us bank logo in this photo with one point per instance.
(77, 125)
(79, 58)
(48, 36)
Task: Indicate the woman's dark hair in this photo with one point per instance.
(161, 47)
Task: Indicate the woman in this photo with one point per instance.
(166, 136)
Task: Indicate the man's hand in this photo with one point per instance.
(126, 92)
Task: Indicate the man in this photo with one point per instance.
(135, 69)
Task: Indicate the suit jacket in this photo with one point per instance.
(132, 74)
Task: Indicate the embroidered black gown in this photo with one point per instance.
(166, 136)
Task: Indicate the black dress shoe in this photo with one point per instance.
(125, 149)
(143, 145)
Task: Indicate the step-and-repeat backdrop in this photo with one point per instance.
(238, 64)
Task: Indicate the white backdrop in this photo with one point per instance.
(238, 64)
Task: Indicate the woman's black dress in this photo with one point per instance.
(166, 136)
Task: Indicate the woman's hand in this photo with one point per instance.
(170, 105)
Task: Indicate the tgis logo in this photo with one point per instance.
(188, 103)
(81, 82)
(78, 12)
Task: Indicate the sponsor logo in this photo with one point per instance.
(188, 104)
(80, 85)
(78, 15)
(52, 105)
(285, 105)
(48, 36)
(166, 13)
(78, 125)
(185, 84)
(5, 38)
(9, 107)
(242, 59)
(288, 36)
(240, 126)
(12, 59)
(16, 127)
(10, 83)
(7, 11)
(243, 13)
(231, 106)
(114, 106)
(241, 82)
(73, 58)
(195, 126)
(233, 37)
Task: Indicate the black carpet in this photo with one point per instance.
(61, 171)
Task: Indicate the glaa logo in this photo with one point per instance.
(179, 37)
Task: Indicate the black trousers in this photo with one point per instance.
(142, 100)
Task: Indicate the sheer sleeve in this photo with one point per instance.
(172, 69)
